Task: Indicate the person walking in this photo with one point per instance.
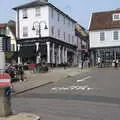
(99, 61)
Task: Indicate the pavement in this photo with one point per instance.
(22, 116)
(34, 80)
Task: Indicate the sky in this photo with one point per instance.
(79, 10)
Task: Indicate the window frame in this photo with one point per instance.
(115, 35)
(37, 11)
(25, 31)
(25, 13)
(102, 36)
(115, 15)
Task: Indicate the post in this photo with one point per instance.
(37, 57)
(19, 62)
(63, 55)
(48, 52)
(53, 53)
(59, 54)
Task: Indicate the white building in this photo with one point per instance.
(45, 33)
(104, 33)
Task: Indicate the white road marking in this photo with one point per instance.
(85, 87)
(83, 79)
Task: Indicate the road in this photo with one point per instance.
(89, 96)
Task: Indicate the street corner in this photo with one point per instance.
(23, 116)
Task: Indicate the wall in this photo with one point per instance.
(67, 28)
(31, 19)
(108, 42)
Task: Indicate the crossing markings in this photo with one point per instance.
(74, 87)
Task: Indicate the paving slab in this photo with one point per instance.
(22, 116)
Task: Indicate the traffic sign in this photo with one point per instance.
(5, 79)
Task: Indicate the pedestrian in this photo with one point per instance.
(88, 62)
(21, 73)
(99, 61)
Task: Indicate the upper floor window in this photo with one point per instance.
(25, 15)
(115, 35)
(58, 17)
(116, 16)
(52, 30)
(68, 22)
(64, 36)
(52, 13)
(64, 20)
(68, 37)
(72, 39)
(25, 31)
(102, 36)
(37, 11)
(58, 33)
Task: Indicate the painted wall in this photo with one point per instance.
(108, 42)
(12, 37)
(68, 27)
(46, 16)
(28, 22)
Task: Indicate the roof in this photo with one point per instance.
(104, 20)
(81, 32)
(2, 26)
(12, 26)
(41, 3)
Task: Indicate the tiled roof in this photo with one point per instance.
(2, 26)
(104, 20)
(81, 32)
(41, 3)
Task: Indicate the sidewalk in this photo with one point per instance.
(34, 80)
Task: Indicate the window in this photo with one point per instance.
(72, 39)
(115, 35)
(58, 17)
(116, 16)
(52, 30)
(58, 33)
(25, 13)
(64, 20)
(68, 22)
(25, 31)
(64, 36)
(102, 36)
(68, 37)
(12, 47)
(37, 32)
(52, 13)
(37, 11)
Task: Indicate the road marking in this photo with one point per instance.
(83, 79)
(83, 88)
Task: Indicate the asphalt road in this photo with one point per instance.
(89, 96)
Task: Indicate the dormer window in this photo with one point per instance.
(25, 13)
(116, 16)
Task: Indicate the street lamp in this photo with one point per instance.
(37, 26)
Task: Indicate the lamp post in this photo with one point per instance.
(37, 26)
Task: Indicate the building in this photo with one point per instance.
(82, 43)
(45, 33)
(8, 30)
(104, 33)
